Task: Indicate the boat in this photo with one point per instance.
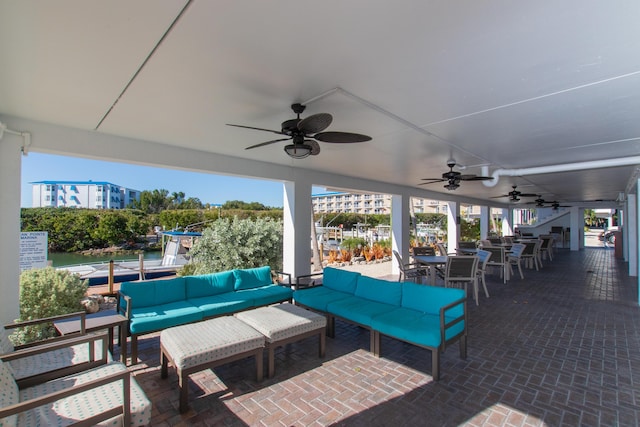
(175, 244)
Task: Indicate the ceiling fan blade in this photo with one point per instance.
(315, 123)
(262, 129)
(315, 147)
(499, 197)
(341, 137)
(474, 178)
(528, 195)
(267, 143)
(431, 181)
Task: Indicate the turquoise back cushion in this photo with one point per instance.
(340, 280)
(143, 294)
(429, 299)
(379, 290)
(171, 290)
(250, 278)
(210, 284)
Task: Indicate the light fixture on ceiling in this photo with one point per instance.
(298, 151)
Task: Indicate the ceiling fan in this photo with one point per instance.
(453, 178)
(541, 203)
(304, 133)
(514, 195)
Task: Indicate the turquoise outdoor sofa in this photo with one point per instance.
(154, 305)
(428, 316)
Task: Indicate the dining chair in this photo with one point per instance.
(498, 259)
(531, 255)
(546, 248)
(424, 250)
(483, 258)
(462, 269)
(442, 249)
(514, 257)
(410, 271)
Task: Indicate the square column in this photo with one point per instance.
(296, 256)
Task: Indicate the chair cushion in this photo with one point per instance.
(85, 404)
(340, 280)
(318, 297)
(379, 290)
(265, 295)
(429, 299)
(220, 304)
(148, 319)
(154, 292)
(8, 393)
(210, 284)
(170, 290)
(252, 277)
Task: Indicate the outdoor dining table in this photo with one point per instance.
(433, 261)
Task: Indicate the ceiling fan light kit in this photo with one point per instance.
(305, 133)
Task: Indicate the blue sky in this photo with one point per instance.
(209, 188)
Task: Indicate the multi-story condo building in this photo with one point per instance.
(369, 203)
(81, 194)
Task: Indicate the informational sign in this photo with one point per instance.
(33, 249)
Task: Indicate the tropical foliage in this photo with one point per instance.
(44, 293)
(238, 243)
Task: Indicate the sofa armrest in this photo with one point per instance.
(125, 311)
(64, 342)
(81, 314)
(287, 275)
(307, 281)
(446, 325)
(124, 410)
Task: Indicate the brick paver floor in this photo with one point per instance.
(561, 347)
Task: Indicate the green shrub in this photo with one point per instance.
(239, 243)
(43, 293)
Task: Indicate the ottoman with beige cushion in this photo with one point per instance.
(284, 323)
(197, 346)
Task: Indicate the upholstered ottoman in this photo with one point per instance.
(197, 346)
(284, 323)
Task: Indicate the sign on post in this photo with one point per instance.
(33, 249)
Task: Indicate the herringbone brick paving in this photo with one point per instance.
(561, 347)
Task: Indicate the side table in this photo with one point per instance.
(107, 319)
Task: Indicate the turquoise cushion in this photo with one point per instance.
(429, 299)
(150, 319)
(216, 305)
(252, 277)
(210, 284)
(171, 290)
(340, 280)
(318, 297)
(143, 294)
(358, 310)
(379, 290)
(266, 295)
(414, 327)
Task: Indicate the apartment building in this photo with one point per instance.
(81, 194)
(369, 203)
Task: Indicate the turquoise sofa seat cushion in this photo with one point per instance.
(340, 280)
(379, 290)
(149, 319)
(429, 299)
(155, 292)
(358, 310)
(414, 327)
(210, 284)
(266, 295)
(318, 297)
(218, 305)
(249, 278)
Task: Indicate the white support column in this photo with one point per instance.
(484, 221)
(453, 226)
(10, 173)
(399, 229)
(507, 221)
(297, 228)
(631, 225)
(577, 228)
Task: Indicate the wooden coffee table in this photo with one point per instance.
(107, 319)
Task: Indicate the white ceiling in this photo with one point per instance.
(499, 83)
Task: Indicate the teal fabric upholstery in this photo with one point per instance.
(218, 305)
(163, 316)
(318, 297)
(252, 278)
(340, 280)
(429, 299)
(210, 284)
(410, 325)
(358, 309)
(379, 290)
(170, 290)
(266, 295)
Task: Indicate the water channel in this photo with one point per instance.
(59, 259)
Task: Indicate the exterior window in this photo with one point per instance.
(47, 198)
